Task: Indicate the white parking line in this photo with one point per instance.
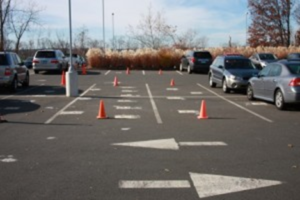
(156, 113)
(67, 106)
(179, 73)
(237, 105)
(107, 72)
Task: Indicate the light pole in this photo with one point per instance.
(113, 29)
(103, 24)
(71, 75)
(246, 28)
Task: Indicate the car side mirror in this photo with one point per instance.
(220, 67)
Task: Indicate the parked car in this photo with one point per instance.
(196, 61)
(28, 62)
(263, 59)
(278, 83)
(76, 61)
(293, 57)
(12, 71)
(49, 60)
(232, 72)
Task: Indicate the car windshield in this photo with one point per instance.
(3, 60)
(294, 68)
(267, 57)
(238, 64)
(206, 55)
(45, 54)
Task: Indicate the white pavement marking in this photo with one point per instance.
(68, 105)
(259, 104)
(127, 87)
(49, 107)
(188, 111)
(127, 117)
(72, 113)
(51, 138)
(129, 95)
(107, 72)
(213, 185)
(144, 73)
(42, 80)
(175, 98)
(126, 101)
(8, 159)
(172, 89)
(237, 105)
(202, 144)
(85, 98)
(125, 129)
(38, 95)
(129, 91)
(154, 184)
(156, 113)
(196, 93)
(179, 72)
(96, 89)
(128, 108)
(166, 144)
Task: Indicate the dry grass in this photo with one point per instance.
(166, 58)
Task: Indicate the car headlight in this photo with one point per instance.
(236, 78)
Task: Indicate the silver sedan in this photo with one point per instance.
(278, 83)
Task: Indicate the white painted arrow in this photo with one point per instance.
(212, 185)
(167, 144)
(155, 184)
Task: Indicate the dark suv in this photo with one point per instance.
(293, 57)
(196, 61)
(232, 72)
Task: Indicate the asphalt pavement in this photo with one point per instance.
(151, 144)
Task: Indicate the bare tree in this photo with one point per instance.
(271, 25)
(22, 18)
(190, 39)
(5, 9)
(153, 30)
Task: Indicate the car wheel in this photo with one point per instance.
(211, 83)
(36, 71)
(189, 70)
(14, 85)
(26, 81)
(250, 94)
(181, 67)
(279, 100)
(224, 87)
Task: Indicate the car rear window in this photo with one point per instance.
(3, 60)
(202, 55)
(45, 54)
(294, 68)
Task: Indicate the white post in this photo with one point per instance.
(71, 75)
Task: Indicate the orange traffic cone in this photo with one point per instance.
(202, 114)
(101, 114)
(116, 82)
(128, 71)
(83, 69)
(63, 78)
(160, 72)
(172, 83)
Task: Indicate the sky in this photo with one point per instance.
(215, 19)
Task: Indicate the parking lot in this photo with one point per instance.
(151, 145)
